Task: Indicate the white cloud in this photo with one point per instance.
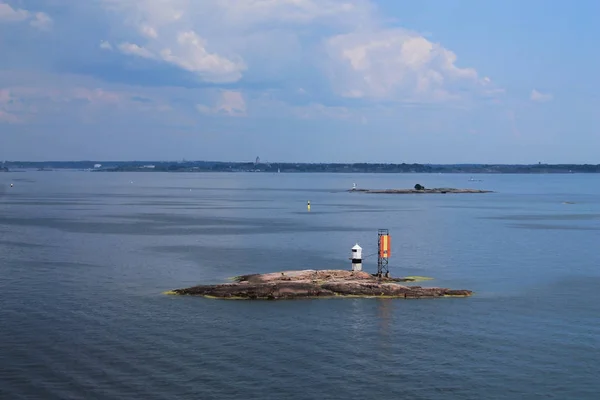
(178, 44)
(540, 97)
(105, 45)
(191, 54)
(7, 13)
(134, 49)
(148, 31)
(38, 20)
(41, 21)
(5, 115)
(229, 102)
(395, 63)
(223, 40)
(207, 37)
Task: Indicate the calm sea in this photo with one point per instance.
(85, 257)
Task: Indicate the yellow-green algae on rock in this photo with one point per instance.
(417, 278)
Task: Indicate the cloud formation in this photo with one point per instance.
(336, 50)
(165, 31)
(324, 68)
(28, 103)
(364, 57)
(540, 97)
(229, 103)
(38, 20)
(187, 52)
(397, 64)
(6, 116)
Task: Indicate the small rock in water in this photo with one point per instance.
(317, 283)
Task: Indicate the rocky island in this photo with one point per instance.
(315, 284)
(418, 189)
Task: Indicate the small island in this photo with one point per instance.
(317, 284)
(419, 189)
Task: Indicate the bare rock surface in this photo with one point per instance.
(316, 283)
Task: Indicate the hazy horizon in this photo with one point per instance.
(282, 162)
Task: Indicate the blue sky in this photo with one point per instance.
(426, 81)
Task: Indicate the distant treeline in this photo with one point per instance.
(215, 166)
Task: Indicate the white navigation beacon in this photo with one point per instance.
(357, 258)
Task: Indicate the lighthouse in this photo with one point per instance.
(356, 258)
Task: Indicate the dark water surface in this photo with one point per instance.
(84, 258)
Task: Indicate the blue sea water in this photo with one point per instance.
(85, 257)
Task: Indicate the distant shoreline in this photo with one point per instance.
(217, 166)
(420, 191)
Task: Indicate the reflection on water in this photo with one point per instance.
(385, 316)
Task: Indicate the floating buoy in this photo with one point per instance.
(11, 185)
(308, 205)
